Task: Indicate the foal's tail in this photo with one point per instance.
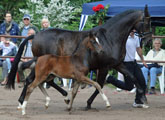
(12, 74)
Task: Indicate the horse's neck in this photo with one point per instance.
(119, 30)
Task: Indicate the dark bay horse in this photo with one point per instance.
(113, 40)
(72, 67)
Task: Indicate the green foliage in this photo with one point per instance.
(161, 32)
(78, 3)
(13, 7)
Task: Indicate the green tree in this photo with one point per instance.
(13, 7)
(59, 12)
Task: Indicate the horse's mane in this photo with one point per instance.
(119, 16)
(60, 30)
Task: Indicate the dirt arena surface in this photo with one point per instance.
(121, 106)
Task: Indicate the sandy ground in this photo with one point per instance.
(121, 106)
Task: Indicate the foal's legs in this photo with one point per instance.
(46, 95)
(88, 81)
(97, 86)
(74, 93)
(30, 79)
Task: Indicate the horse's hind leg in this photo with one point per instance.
(74, 92)
(46, 95)
(38, 80)
(97, 86)
(100, 79)
(28, 81)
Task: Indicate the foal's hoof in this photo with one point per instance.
(46, 106)
(19, 108)
(108, 107)
(67, 101)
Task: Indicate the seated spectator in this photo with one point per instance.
(9, 27)
(26, 53)
(153, 69)
(8, 49)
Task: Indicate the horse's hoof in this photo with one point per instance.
(70, 112)
(69, 109)
(108, 106)
(46, 107)
(19, 108)
(23, 113)
(88, 107)
(67, 101)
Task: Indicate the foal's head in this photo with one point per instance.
(92, 42)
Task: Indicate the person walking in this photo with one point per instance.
(132, 45)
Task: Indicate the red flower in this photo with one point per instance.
(100, 11)
(95, 9)
(100, 6)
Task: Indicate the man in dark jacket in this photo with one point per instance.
(9, 27)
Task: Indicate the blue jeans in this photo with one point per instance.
(152, 72)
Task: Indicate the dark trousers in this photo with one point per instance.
(128, 84)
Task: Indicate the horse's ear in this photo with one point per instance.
(146, 11)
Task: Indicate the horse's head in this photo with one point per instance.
(143, 27)
(92, 43)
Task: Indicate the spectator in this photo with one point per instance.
(8, 49)
(9, 27)
(27, 25)
(26, 53)
(45, 24)
(132, 45)
(154, 69)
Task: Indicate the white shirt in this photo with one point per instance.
(7, 49)
(131, 45)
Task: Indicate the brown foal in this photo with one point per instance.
(72, 67)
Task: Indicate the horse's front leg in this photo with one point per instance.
(100, 79)
(46, 95)
(74, 92)
(98, 87)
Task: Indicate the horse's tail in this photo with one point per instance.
(12, 74)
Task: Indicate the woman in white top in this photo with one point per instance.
(153, 70)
